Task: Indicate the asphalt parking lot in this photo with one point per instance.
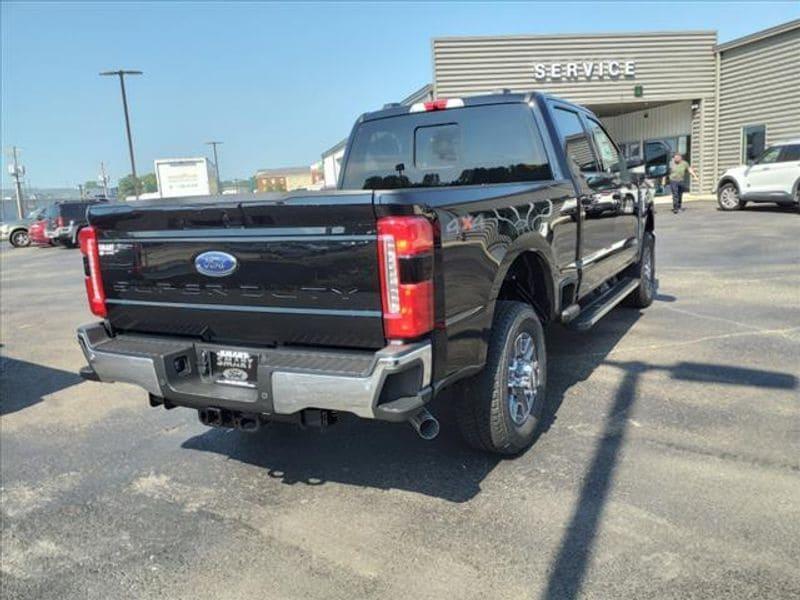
(669, 466)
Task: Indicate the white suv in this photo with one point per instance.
(773, 177)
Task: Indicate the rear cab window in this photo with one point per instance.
(75, 211)
(487, 144)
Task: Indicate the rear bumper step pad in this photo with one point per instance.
(290, 380)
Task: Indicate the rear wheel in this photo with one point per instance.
(20, 238)
(728, 197)
(645, 270)
(500, 408)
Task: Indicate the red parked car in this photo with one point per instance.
(37, 235)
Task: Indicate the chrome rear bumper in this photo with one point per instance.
(390, 384)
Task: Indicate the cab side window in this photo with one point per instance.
(790, 153)
(575, 141)
(770, 156)
(609, 155)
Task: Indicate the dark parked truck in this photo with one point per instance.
(460, 230)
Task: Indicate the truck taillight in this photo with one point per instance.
(94, 283)
(405, 255)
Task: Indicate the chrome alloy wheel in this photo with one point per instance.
(20, 239)
(729, 197)
(648, 270)
(522, 379)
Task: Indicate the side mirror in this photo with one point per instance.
(657, 165)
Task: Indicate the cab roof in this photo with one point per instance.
(500, 97)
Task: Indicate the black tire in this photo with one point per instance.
(19, 238)
(728, 197)
(484, 408)
(645, 270)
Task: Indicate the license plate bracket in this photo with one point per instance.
(234, 367)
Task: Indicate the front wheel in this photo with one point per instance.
(20, 239)
(728, 197)
(501, 407)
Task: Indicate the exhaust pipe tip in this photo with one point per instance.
(425, 424)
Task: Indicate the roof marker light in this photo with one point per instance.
(440, 104)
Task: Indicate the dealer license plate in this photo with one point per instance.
(234, 367)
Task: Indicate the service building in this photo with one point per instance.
(719, 104)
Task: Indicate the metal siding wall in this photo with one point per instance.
(759, 85)
(670, 66)
(706, 150)
(662, 121)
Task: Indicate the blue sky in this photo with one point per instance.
(278, 83)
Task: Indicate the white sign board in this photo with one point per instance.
(185, 177)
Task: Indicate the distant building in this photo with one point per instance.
(332, 157)
(283, 180)
(332, 163)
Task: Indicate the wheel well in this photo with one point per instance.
(730, 180)
(650, 223)
(528, 280)
(15, 230)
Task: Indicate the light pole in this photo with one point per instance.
(121, 74)
(216, 161)
(17, 171)
(104, 179)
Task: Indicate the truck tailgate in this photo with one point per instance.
(296, 270)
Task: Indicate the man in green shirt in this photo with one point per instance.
(677, 176)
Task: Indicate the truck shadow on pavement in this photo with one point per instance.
(387, 456)
(23, 384)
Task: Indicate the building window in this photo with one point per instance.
(754, 139)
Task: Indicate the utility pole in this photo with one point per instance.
(121, 74)
(80, 190)
(216, 162)
(17, 171)
(104, 179)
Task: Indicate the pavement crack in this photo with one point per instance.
(709, 317)
(726, 456)
(708, 338)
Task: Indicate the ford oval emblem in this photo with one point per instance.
(215, 263)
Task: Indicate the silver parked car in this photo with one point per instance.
(16, 232)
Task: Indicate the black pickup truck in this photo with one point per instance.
(459, 230)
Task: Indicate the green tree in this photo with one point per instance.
(91, 185)
(149, 182)
(126, 185)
